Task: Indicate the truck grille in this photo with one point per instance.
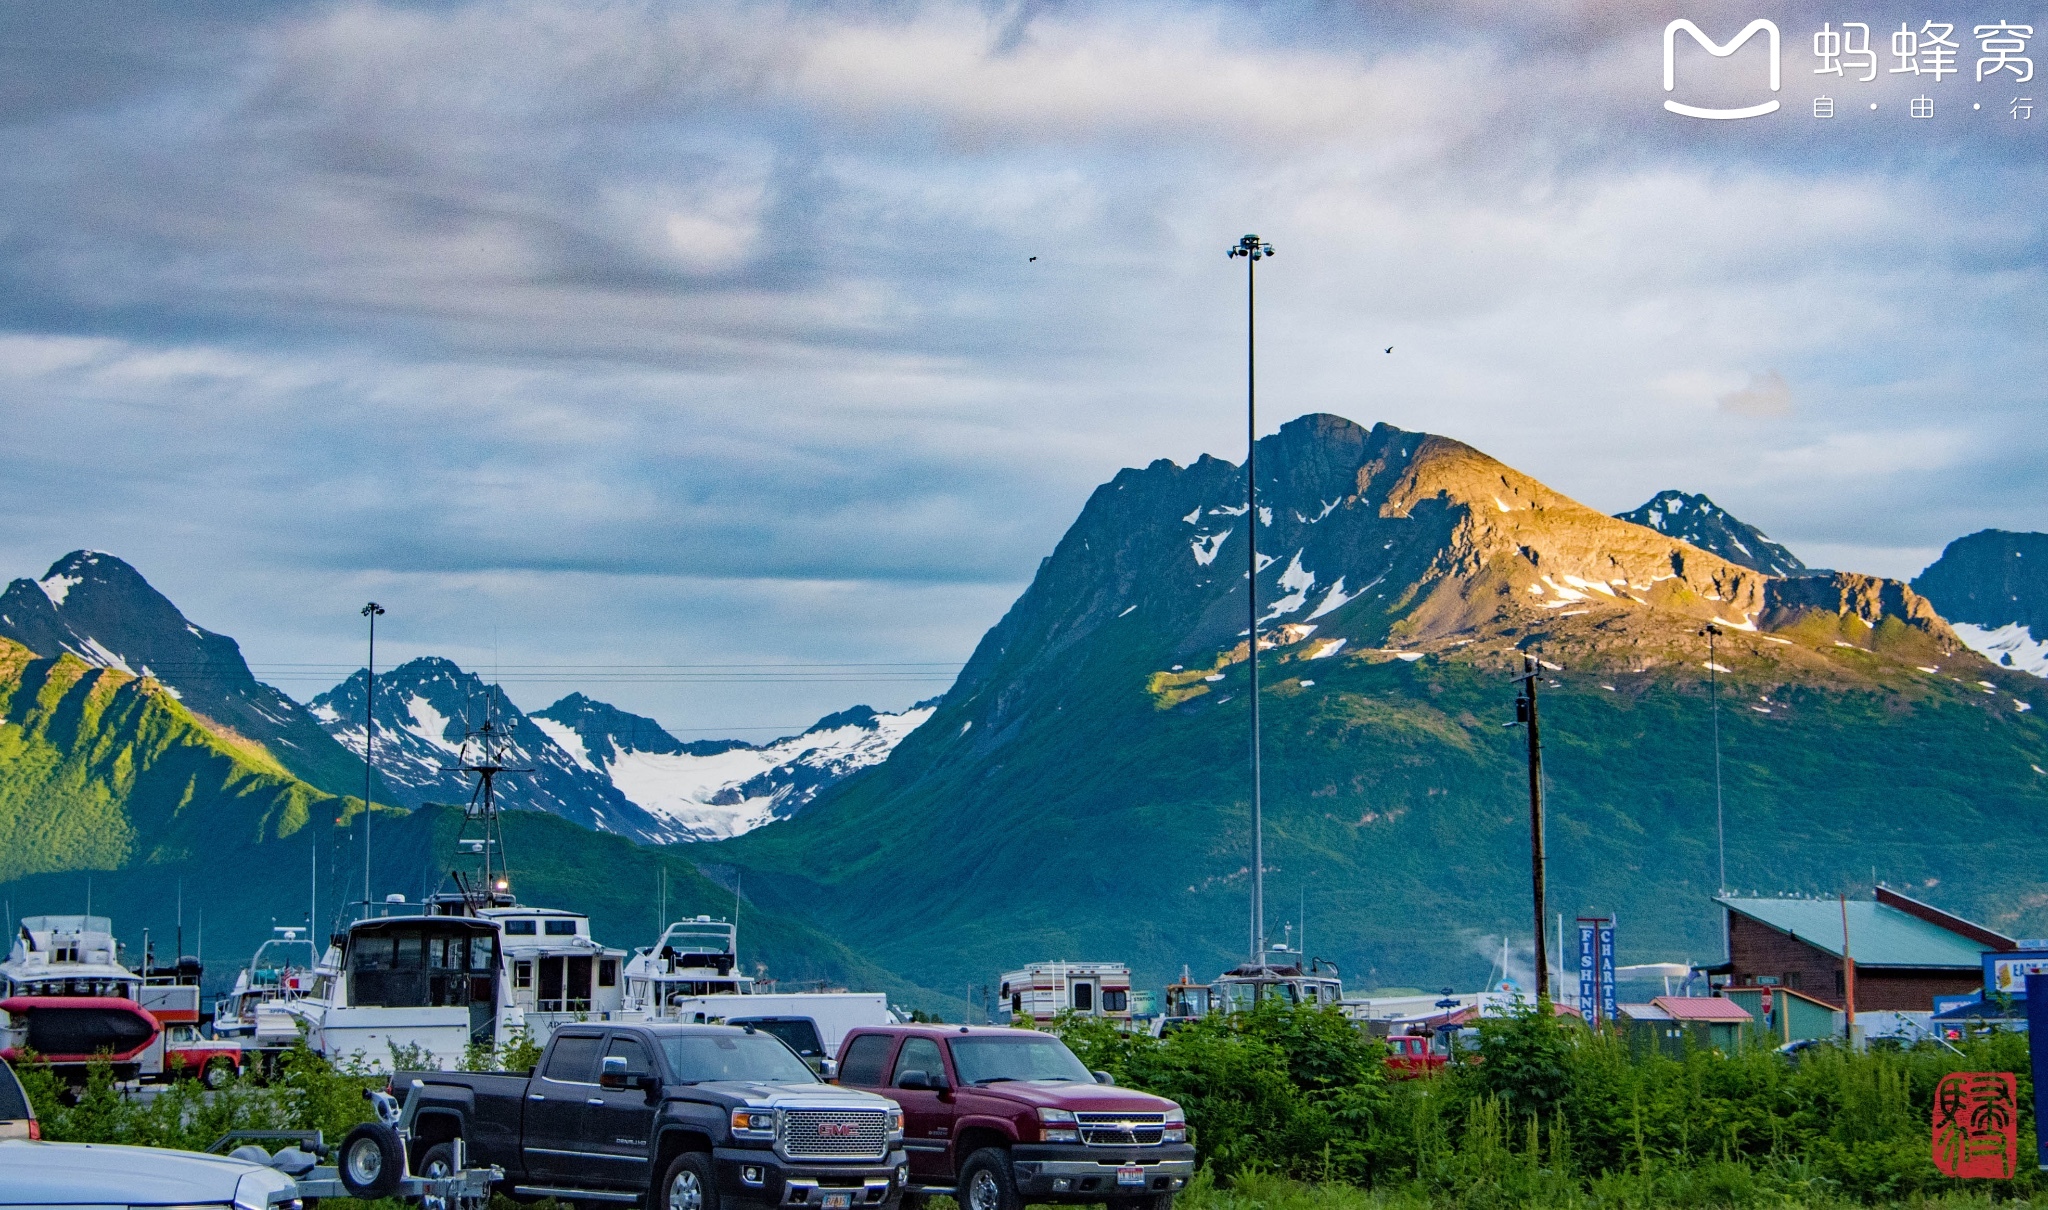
(1121, 1129)
(835, 1134)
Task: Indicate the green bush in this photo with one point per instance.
(1546, 1112)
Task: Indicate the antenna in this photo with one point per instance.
(1253, 250)
(482, 831)
(1714, 694)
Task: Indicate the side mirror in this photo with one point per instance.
(647, 1081)
(613, 1072)
(914, 1081)
(828, 1069)
(939, 1082)
(1103, 1077)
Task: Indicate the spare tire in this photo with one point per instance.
(371, 1161)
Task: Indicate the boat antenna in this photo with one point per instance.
(372, 611)
(1253, 250)
(736, 876)
(482, 824)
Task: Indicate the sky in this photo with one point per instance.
(695, 356)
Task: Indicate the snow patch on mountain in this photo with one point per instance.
(722, 794)
(2010, 646)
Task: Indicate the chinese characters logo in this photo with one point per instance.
(1976, 1125)
(1931, 51)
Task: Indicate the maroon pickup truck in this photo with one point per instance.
(1002, 1117)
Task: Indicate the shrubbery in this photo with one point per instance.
(1545, 1112)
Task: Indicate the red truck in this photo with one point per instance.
(1409, 1056)
(998, 1118)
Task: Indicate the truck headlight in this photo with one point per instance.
(1176, 1130)
(753, 1123)
(895, 1125)
(1058, 1126)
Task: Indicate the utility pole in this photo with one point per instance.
(1525, 713)
(1253, 250)
(372, 611)
(1848, 977)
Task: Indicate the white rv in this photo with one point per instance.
(1042, 991)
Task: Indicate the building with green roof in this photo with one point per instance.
(1905, 952)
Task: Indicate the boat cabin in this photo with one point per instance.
(67, 956)
(1243, 988)
(425, 962)
(281, 969)
(556, 967)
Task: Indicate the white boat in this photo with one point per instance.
(410, 982)
(281, 969)
(1284, 974)
(67, 956)
(698, 957)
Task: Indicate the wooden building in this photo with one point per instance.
(1905, 952)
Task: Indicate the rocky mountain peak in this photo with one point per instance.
(1993, 586)
(1700, 522)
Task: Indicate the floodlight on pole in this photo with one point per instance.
(1253, 250)
(372, 611)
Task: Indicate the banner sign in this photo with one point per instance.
(2005, 974)
(1607, 970)
(1976, 1125)
(1589, 976)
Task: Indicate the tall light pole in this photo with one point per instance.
(1714, 695)
(1253, 250)
(372, 611)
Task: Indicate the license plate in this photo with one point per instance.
(1132, 1174)
(838, 1201)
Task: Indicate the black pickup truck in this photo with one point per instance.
(671, 1117)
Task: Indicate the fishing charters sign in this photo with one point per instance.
(1977, 1125)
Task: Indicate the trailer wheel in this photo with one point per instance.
(438, 1163)
(371, 1161)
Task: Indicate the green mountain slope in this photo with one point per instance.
(1082, 791)
(100, 769)
(113, 793)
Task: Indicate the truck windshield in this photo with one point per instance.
(757, 1057)
(987, 1060)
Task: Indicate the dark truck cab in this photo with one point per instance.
(1003, 1117)
(672, 1117)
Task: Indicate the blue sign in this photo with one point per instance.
(1607, 969)
(2005, 973)
(2037, 1027)
(1589, 978)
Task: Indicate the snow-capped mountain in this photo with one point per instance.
(1992, 586)
(100, 609)
(427, 708)
(1700, 522)
(719, 788)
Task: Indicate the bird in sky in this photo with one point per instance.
(1390, 348)
(1034, 258)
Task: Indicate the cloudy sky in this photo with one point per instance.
(614, 345)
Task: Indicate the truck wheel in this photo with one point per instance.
(438, 1163)
(371, 1161)
(217, 1074)
(986, 1183)
(688, 1184)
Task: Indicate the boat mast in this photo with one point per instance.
(482, 825)
(1253, 249)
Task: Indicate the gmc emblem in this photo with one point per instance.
(835, 1130)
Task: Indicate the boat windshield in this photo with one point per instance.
(751, 1058)
(985, 1060)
